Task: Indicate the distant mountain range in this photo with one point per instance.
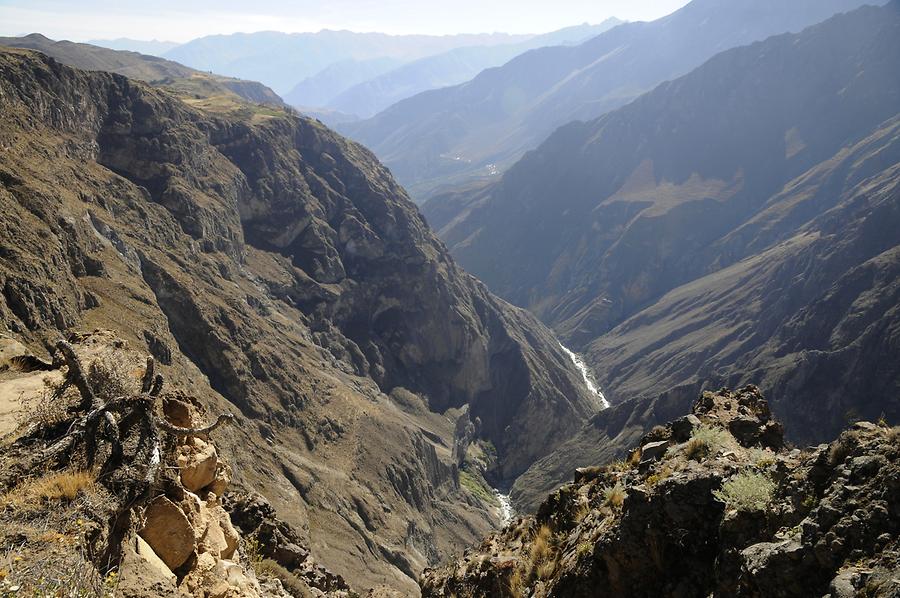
(479, 128)
(282, 60)
(320, 89)
(152, 47)
(373, 95)
(347, 76)
(736, 225)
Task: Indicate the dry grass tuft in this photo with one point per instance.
(295, 586)
(657, 433)
(50, 407)
(541, 555)
(68, 574)
(634, 459)
(515, 583)
(116, 375)
(893, 435)
(614, 497)
(540, 545)
(619, 465)
(546, 569)
(842, 448)
(655, 478)
(696, 449)
(63, 486)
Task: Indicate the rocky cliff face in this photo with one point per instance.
(275, 270)
(712, 504)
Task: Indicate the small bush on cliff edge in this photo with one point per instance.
(705, 440)
(748, 491)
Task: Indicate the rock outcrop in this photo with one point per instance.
(125, 499)
(725, 510)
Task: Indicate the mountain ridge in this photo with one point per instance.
(152, 69)
(477, 129)
(450, 68)
(281, 60)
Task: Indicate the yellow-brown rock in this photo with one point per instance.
(198, 462)
(168, 532)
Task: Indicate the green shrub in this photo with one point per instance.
(584, 549)
(748, 491)
(705, 440)
(762, 459)
(713, 436)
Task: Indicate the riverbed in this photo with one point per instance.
(586, 374)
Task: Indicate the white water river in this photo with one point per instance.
(586, 374)
(506, 510)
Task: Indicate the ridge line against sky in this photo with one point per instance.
(181, 21)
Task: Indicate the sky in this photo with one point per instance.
(182, 20)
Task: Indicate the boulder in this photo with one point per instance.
(156, 564)
(212, 537)
(223, 478)
(745, 428)
(219, 578)
(652, 451)
(844, 585)
(683, 427)
(232, 538)
(289, 554)
(10, 350)
(142, 574)
(168, 532)
(177, 412)
(218, 537)
(199, 464)
(778, 568)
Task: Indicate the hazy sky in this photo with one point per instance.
(181, 20)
